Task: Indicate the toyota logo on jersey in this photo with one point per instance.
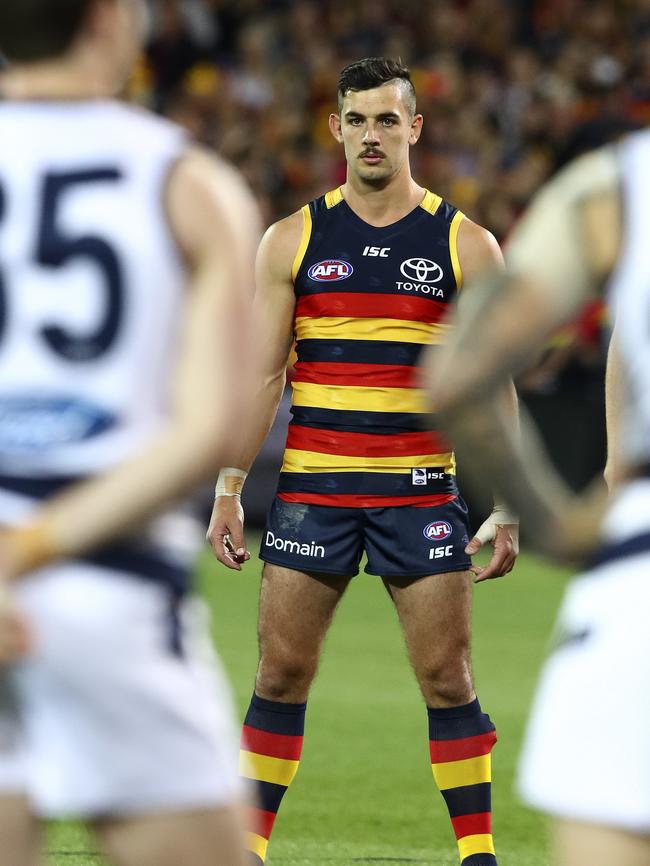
(439, 530)
(422, 270)
(330, 270)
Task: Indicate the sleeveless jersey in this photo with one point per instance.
(629, 295)
(91, 288)
(368, 301)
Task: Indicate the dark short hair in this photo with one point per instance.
(33, 30)
(372, 72)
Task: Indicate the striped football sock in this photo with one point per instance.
(460, 741)
(270, 753)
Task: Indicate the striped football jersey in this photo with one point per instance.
(368, 301)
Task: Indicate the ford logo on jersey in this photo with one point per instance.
(438, 530)
(330, 270)
(30, 424)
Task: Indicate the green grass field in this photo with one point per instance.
(364, 793)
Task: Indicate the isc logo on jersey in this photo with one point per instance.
(439, 530)
(330, 270)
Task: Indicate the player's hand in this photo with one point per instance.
(504, 537)
(15, 637)
(226, 532)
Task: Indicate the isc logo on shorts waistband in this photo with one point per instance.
(423, 476)
(312, 549)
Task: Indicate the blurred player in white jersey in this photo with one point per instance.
(587, 754)
(124, 271)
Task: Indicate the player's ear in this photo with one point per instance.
(335, 127)
(416, 128)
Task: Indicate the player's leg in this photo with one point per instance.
(210, 837)
(435, 614)
(20, 835)
(581, 844)
(420, 554)
(19, 832)
(296, 610)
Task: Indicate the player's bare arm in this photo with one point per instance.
(616, 388)
(478, 251)
(214, 221)
(272, 331)
(507, 318)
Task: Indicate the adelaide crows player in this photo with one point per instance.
(123, 274)
(364, 277)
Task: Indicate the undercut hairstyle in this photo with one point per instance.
(34, 30)
(373, 72)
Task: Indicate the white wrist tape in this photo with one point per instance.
(500, 516)
(230, 482)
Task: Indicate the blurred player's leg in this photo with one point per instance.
(296, 610)
(19, 832)
(579, 844)
(211, 837)
(435, 614)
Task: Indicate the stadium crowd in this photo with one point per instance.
(509, 90)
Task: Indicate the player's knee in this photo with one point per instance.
(447, 684)
(281, 676)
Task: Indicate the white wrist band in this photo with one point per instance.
(502, 516)
(230, 482)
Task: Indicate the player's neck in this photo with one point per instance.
(382, 205)
(75, 78)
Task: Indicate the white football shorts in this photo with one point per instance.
(121, 708)
(586, 755)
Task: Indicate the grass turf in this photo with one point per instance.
(364, 793)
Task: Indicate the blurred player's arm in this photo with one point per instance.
(478, 252)
(562, 251)
(615, 400)
(215, 222)
(272, 338)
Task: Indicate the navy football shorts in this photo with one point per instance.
(402, 541)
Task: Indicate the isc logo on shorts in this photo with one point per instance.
(441, 552)
(330, 270)
(439, 530)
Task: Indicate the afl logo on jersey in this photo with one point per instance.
(439, 530)
(330, 270)
(422, 270)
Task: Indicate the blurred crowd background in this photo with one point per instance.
(510, 90)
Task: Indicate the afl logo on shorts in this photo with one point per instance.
(330, 270)
(439, 530)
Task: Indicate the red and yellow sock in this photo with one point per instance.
(460, 743)
(270, 753)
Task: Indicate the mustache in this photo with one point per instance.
(371, 151)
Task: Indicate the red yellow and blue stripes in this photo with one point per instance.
(460, 745)
(360, 305)
(271, 746)
(358, 346)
